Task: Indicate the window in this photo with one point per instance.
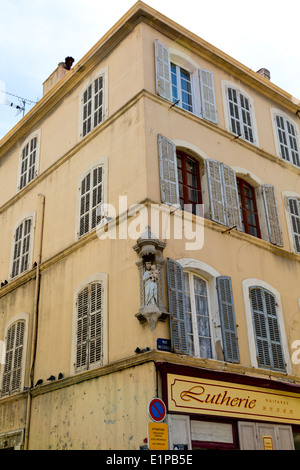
(90, 324)
(194, 312)
(189, 182)
(294, 211)
(22, 247)
(29, 160)
(94, 103)
(91, 200)
(197, 316)
(266, 329)
(12, 374)
(240, 114)
(181, 87)
(248, 208)
(179, 79)
(287, 140)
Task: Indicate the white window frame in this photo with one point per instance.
(17, 318)
(30, 138)
(285, 196)
(32, 216)
(103, 279)
(246, 285)
(277, 112)
(209, 274)
(101, 162)
(225, 85)
(182, 60)
(103, 72)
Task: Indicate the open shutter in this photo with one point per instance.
(272, 214)
(168, 171)
(232, 205)
(208, 100)
(215, 189)
(163, 71)
(84, 224)
(97, 196)
(274, 332)
(294, 209)
(227, 315)
(177, 307)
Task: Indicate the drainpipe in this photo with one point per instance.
(35, 319)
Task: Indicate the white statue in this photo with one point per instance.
(150, 279)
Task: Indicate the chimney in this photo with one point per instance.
(264, 73)
(59, 73)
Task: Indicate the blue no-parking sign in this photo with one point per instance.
(157, 409)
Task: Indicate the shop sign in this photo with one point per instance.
(203, 396)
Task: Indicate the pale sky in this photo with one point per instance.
(35, 35)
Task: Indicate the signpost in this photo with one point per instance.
(157, 431)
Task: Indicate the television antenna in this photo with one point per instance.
(22, 103)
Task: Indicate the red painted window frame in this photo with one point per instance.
(241, 184)
(184, 157)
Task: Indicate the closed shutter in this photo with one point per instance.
(266, 329)
(168, 171)
(89, 326)
(215, 188)
(293, 143)
(91, 200)
(208, 100)
(13, 359)
(247, 435)
(22, 240)
(288, 141)
(163, 71)
(98, 100)
(177, 307)
(233, 214)
(272, 215)
(294, 209)
(228, 323)
(87, 111)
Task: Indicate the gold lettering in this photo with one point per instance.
(198, 391)
(192, 394)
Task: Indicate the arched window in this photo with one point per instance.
(188, 181)
(29, 160)
(94, 102)
(89, 309)
(14, 349)
(249, 213)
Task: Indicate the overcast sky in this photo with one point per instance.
(35, 35)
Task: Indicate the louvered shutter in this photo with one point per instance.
(294, 209)
(96, 199)
(215, 189)
(87, 111)
(82, 328)
(85, 196)
(91, 200)
(177, 307)
(89, 326)
(272, 215)
(227, 316)
(163, 71)
(232, 206)
(95, 341)
(21, 251)
(208, 100)
(13, 358)
(168, 171)
(266, 329)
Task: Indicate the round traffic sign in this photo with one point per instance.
(157, 409)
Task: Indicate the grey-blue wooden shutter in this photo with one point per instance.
(266, 329)
(168, 171)
(272, 214)
(163, 71)
(227, 316)
(176, 296)
(208, 100)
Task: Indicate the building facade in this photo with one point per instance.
(150, 228)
